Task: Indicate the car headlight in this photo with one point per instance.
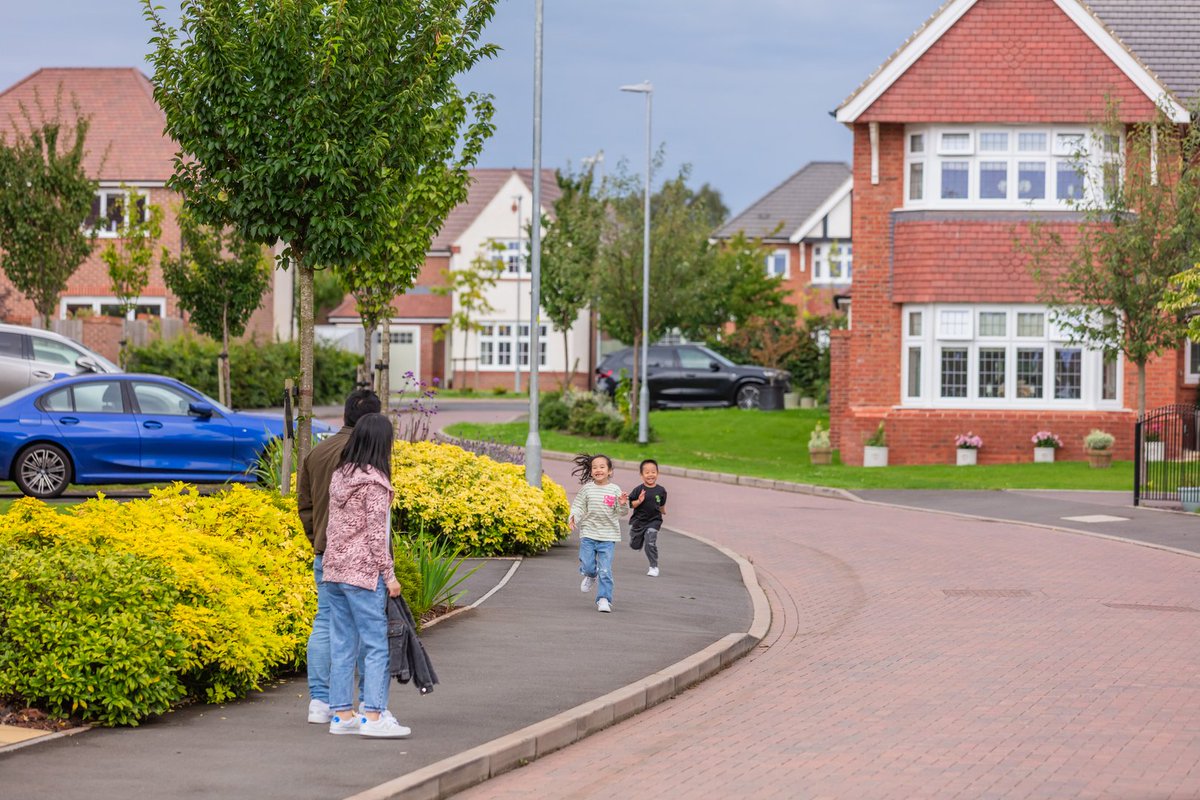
(772, 374)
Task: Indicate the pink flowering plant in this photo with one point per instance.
(968, 441)
(1046, 439)
(1152, 432)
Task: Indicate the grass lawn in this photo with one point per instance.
(775, 445)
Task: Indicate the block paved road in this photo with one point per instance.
(915, 654)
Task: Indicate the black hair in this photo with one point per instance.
(646, 461)
(370, 445)
(359, 403)
(583, 465)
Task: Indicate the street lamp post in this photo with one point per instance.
(646, 88)
(516, 354)
(533, 443)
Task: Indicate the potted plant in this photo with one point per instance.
(820, 451)
(967, 445)
(1152, 441)
(1044, 445)
(1099, 446)
(875, 452)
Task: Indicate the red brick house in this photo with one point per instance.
(973, 129)
(804, 225)
(125, 146)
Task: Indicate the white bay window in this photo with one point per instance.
(993, 356)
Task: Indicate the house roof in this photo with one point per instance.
(1155, 42)
(781, 211)
(126, 140)
(485, 183)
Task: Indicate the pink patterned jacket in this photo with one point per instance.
(356, 547)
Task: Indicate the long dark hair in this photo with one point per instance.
(583, 465)
(370, 445)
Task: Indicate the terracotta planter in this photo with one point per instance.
(1100, 459)
(1043, 455)
(820, 456)
(966, 456)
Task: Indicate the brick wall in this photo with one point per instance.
(1009, 61)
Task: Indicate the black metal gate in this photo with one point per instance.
(1166, 453)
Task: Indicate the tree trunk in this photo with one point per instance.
(385, 356)
(225, 372)
(304, 412)
(568, 373)
(364, 370)
(1141, 390)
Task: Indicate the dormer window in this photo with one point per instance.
(1007, 166)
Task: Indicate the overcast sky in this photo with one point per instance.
(743, 88)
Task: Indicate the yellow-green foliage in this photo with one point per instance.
(485, 507)
(238, 562)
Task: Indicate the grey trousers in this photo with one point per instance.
(649, 539)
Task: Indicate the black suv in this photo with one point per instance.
(690, 374)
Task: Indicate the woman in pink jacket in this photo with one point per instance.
(360, 577)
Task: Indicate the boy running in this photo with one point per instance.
(649, 503)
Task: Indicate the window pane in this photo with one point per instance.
(1031, 180)
(1069, 181)
(914, 372)
(1031, 323)
(993, 323)
(1030, 373)
(954, 372)
(1069, 144)
(503, 353)
(993, 142)
(1109, 387)
(914, 323)
(50, 351)
(154, 398)
(991, 372)
(955, 180)
(1031, 142)
(916, 143)
(956, 142)
(1068, 373)
(993, 180)
(916, 181)
(485, 353)
(10, 345)
(955, 324)
(58, 401)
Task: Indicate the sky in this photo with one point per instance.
(742, 88)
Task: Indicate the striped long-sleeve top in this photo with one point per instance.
(597, 511)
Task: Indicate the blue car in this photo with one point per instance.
(126, 429)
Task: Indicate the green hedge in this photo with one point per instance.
(257, 369)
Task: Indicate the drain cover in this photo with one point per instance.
(1144, 607)
(986, 592)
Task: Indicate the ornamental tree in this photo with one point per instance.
(45, 200)
(309, 122)
(219, 278)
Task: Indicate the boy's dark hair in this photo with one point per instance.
(370, 445)
(359, 403)
(646, 461)
(583, 465)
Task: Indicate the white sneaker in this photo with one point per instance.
(652, 572)
(345, 722)
(318, 712)
(588, 583)
(603, 605)
(386, 727)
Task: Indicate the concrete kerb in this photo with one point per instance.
(458, 772)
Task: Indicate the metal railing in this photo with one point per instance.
(1166, 453)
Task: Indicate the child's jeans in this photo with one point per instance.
(648, 537)
(359, 615)
(595, 561)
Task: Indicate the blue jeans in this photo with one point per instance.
(318, 642)
(358, 622)
(595, 561)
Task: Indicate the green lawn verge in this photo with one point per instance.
(775, 445)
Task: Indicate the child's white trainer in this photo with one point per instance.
(588, 583)
(652, 572)
(603, 605)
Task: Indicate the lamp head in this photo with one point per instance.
(645, 87)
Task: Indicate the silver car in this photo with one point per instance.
(30, 355)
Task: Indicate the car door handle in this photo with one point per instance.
(69, 420)
(41, 373)
(151, 424)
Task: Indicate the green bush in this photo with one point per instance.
(408, 572)
(553, 414)
(615, 426)
(257, 369)
(87, 631)
(597, 423)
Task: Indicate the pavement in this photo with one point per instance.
(921, 644)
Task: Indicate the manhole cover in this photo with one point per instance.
(986, 592)
(1145, 607)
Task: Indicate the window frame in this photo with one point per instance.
(822, 265)
(104, 192)
(495, 342)
(770, 259)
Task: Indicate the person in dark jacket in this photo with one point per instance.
(312, 501)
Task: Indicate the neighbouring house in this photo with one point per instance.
(972, 130)
(126, 147)
(804, 226)
(492, 223)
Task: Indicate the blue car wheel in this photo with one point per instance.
(42, 470)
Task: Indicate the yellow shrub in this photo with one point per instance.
(475, 502)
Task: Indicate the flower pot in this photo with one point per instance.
(820, 455)
(1100, 459)
(791, 400)
(967, 456)
(1043, 455)
(1155, 451)
(1189, 498)
(874, 456)
(808, 402)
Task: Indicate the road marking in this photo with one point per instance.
(1097, 518)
